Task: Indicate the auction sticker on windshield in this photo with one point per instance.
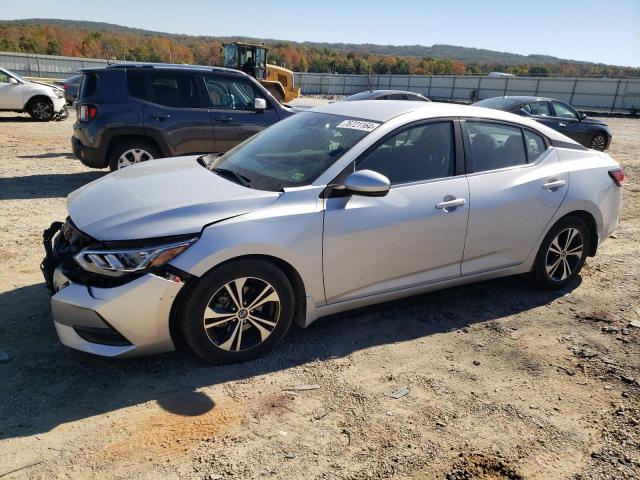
(358, 125)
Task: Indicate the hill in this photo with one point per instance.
(98, 39)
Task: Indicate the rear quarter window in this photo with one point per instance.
(88, 85)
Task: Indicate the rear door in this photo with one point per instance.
(233, 114)
(176, 108)
(516, 184)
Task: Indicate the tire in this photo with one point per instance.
(41, 110)
(598, 142)
(570, 238)
(218, 331)
(135, 151)
(277, 94)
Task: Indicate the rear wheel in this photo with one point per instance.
(41, 110)
(562, 253)
(277, 94)
(598, 142)
(237, 312)
(131, 152)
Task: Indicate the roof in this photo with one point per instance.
(378, 111)
(205, 68)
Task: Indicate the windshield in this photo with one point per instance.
(293, 152)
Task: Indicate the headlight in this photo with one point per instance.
(59, 93)
(116, 263)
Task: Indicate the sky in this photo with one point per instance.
(597, 31)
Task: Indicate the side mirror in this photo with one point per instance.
(13, 81)
(583, 116)
(259, 104)
(367, 183)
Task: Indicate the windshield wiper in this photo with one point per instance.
(239, 178)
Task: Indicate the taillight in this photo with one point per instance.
(617, 176)
(88, 112)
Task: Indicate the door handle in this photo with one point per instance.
(456, 202)
(562, 124)
(225, 119)
(554, 185)
(160, 116)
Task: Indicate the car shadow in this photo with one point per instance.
(44, 186)
(46, 384)
(50, 155)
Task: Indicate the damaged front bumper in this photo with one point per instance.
(126, 320)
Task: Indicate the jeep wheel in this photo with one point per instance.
(131, 152)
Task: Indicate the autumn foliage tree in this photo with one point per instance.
(57, 38)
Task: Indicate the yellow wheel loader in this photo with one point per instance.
(252, 59)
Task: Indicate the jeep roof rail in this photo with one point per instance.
(204, 68)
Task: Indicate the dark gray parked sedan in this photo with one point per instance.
(558, 115)
(70, 86)
(388, 95)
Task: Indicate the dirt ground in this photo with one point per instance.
(503, 381)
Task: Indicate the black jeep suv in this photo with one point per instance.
(135, 112)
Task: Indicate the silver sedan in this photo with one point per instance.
(342, 206)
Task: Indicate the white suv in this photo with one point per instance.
(43, 102)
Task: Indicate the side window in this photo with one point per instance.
(564, 111)
(420, 153)
(4, 78)
(171, 89)
(87, 85)
(175, 90)
(226, 93)
(538, 108)
(535, 145)
(494, 145)
(395, 96)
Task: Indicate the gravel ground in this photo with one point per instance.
(501, 380)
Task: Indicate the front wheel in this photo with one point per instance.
(237, 312)
(41, 110)
(562, 253)
(599, 142)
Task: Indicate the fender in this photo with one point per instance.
(134, 131)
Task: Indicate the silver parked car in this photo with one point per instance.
(342, 206)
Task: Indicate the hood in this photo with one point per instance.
(163, 197)
(54, 87)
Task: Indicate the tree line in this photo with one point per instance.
(148, 47)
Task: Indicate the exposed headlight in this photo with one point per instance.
(59, 93)
(116, 263)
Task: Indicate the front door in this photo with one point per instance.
(233, 115)
(413, 235)
(516, 185)
(568, 122)
(11, 95)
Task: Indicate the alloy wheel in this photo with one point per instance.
(598, 142)
(564, 254)
(242, 314)
(133, 156)
(42, 110)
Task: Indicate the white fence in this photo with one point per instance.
(597, 94)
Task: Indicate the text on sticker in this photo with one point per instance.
(358, 125)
